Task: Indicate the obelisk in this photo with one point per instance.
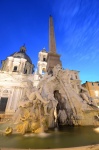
(52, 43)
(53, 58)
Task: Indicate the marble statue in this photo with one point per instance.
(53, 102)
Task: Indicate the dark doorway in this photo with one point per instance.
(15, 69)
(3, 102)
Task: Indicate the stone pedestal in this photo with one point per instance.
(52, 60)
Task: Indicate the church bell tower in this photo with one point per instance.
(53, 58)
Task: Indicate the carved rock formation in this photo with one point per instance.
(55, 102)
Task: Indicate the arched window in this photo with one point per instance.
(43, 71)
(44, 59)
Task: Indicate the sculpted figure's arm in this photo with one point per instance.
(85, 91)
(32, 96)
(39, 97)
(82, 88)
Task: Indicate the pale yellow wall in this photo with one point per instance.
(93, 88)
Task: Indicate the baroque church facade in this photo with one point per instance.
(16, 73)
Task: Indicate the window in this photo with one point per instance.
(76, 77)
(43, 71)
(15, 69)
(44, 59)
(96, 93)
(92, 84)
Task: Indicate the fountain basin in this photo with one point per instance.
(63, 137)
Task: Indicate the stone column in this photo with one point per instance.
(17, 98)
(22, 65)
(10, 99)
(10, 63)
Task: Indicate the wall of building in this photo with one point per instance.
(93, 88)
(12, 90)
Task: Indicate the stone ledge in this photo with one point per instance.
(90, 147)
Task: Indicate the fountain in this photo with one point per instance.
(59, 101)
(53, 103)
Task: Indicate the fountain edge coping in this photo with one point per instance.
(90, 147)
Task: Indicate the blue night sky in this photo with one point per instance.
(76, 24)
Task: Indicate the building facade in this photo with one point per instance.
(93, 88)
(15, 76)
